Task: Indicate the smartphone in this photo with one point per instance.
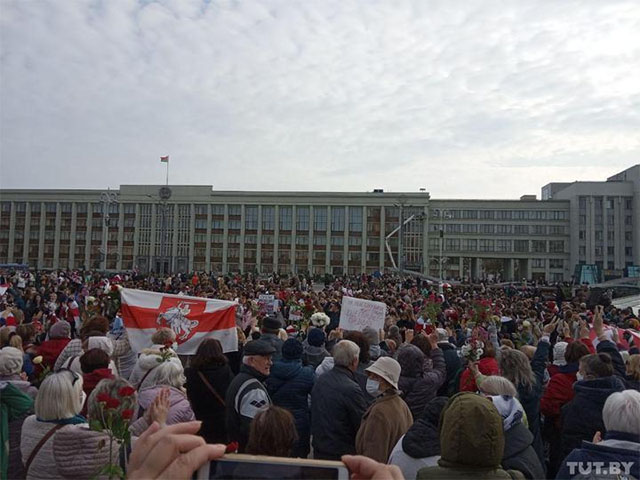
(258, 467)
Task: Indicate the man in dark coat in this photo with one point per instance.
(289, 386)
(452, 361)
(269, 333)
(337, 405)
(247, 395)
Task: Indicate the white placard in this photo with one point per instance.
(356, 314)
(267, 304)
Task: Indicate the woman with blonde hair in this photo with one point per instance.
(633, 372)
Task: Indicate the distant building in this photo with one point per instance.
(197, 228)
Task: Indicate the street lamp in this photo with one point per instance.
(107, 198)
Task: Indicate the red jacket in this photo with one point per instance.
(50, 350)
(486, 365)
(559, 391)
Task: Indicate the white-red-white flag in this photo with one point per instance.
(165, 159)
(3, 288)
(192, 319)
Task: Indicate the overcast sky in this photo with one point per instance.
(468, 99)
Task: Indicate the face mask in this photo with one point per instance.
(372, 387)
(579, 376)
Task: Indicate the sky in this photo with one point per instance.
(467, 99)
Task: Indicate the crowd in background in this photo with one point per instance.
(467, 380)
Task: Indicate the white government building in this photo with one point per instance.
(577, 229)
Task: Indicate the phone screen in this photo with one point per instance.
(234, 470)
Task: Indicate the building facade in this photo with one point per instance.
(187, 228)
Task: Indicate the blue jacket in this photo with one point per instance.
(289, 385)
(582, 416)
(616, 447)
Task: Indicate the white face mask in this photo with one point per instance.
(373, 387)
(579, 376)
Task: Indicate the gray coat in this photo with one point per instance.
(419, 386)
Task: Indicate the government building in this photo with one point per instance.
(589, 231)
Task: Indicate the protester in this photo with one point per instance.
(633, 372)
(618, 447)
(208, 378)
(272, 433)
(95, 367)
(59, 337)
(582, 416)
(337, 405)
(418, 385)
(168, 375)
(314, 350)
(289, 386)
(487, 365)
(246, 394)
(471, 441)
(15, 406)
(269, 332)
(420, 446)
(452, 361)
(389, 417)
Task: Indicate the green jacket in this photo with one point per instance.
(471, 441)
(13, 404)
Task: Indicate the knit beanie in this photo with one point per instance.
(315, 337)
(558, 354)
(60, 329)
(292, 349)
(10, 361)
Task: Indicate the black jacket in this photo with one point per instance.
(582, 416)
(423, 438)
(454, 363)
(276, 342)
(206, 406)
(519, 453)
(289, 385)
(337, 407)
(246, 396)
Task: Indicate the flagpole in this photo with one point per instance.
(167, 172)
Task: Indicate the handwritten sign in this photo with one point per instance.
(356, 314)
(267, 304)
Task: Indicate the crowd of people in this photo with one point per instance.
(469, 380)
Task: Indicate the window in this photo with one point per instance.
(628, 236)
(582, 251)
(487, 245)
(65, 207)
(539, 246)
(217, 209)
(337, 219)
(582, 234)
(556, 246)
(628, 251)
(503, 245)
(355, 219)
(129, 208)
(539, 230)
(537, 263)
(200, 209)
(503, 229)
(610, 235)
(628, 203)
(469, 245)
(557, 263)
(598, 251)
(599, 235)
(337, 240)
(469, 228)
(302, 240)
(320, 219)
(96, 207)
(582, 202)
(521, 229)
(452, 244)
(251, 217)
(20, 206)
(233, 224)
(286, 216)
(627, 220)
(582, 219)
(235, 210)
(598, 220)
(268, 217)
(284, 240)
(251, 239)
(556, 230)
(319, 240)
(487, 229)
(610, 251)
(487, 214)
(35, 207)
(201, 223)
(302, 218)
(521, 246)
(50, 207)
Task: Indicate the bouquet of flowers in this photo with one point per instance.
(473, 350)
(320, 319)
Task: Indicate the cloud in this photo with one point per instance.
(468, 99)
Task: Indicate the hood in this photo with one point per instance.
(285, 369)
(411, 360)
(375, 352)
(471, 432)
(90, 380)
(103, 343)
(147, 395)
(517, 440)
(423, 439)
(149, 359)
(598, 389)
(569, 368)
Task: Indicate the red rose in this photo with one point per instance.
(232, 447)
(127, 414)
(113, 403)
(126, 391)
(103, 397)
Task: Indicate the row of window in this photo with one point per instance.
(499, 229)
(499, 214)
(490, 245)
(598, 251)
(599, 235)
(610, 204)
(598, 220)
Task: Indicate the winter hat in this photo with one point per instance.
(292, 349)
(558, 354)
(60, 329)
(272, 323)
(509, 409)
(371, 335)
(103, 343)
(315, 337)
(10, 361)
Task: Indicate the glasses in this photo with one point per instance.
(76, 377)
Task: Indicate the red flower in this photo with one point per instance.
(126, 391)
(113, 403)
(127, 414)
(168, 344)
(103, 397)
(232, 447)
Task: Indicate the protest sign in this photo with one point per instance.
(267, 304)
(356, 314)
